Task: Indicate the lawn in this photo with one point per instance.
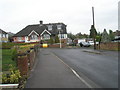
(7, 59)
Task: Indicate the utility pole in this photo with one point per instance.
(94, 33)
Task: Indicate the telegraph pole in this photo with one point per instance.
(94, 28)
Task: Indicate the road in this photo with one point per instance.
(50, 72)
(98, 69)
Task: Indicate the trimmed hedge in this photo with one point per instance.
(10, 45)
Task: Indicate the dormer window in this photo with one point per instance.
(49, 27)
(59, 26)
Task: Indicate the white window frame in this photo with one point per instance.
(3, 35)
(33, 37)
(50, 27)
(59, 27)
(46, 36)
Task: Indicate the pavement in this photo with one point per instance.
(51, 72)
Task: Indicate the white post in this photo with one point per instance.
(60, 39)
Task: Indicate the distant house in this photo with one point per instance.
(117, 35)
(3, 36)
(38, 32)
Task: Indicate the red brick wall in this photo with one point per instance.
(56, 45)
(16, 38)
(23, 65)
(23, 38)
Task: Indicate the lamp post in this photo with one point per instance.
(60, 39)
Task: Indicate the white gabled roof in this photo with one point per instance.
(45, 31)
(34, 32)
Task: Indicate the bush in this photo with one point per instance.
(51, 41)
(9, 45)
(57, 39)
(13, 77)
(14, 54)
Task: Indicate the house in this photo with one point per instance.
(38, 32)
(117, 35)
(3, 36)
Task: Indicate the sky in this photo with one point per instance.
(76, 14)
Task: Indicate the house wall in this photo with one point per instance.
(19, 39)
(64, 36)
(81, 40)
(3, 37)
(25, 39)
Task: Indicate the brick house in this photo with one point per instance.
(3, 36)
(38, 32)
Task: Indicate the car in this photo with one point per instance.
(84, 44)
(92, 42)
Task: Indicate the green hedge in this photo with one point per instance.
(10, 45)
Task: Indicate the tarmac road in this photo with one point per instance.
(50, 72)
(98, 68)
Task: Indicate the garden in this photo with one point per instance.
(10, 73)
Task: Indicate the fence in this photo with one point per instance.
(109, 46)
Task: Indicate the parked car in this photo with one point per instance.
(84, 44)
(92, 42)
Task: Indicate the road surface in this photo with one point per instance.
(99, 69)
(74, 68)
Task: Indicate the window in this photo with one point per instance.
(61, 36)
(59, 26)
(19, 38)
(34, 37)
(49, 27)
(46, 36)
(3, 35)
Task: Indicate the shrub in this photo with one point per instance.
(13, 77)
(51, 41)
(9, 45)
(14, 54)
(57, 39)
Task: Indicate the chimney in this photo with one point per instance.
(41, 23)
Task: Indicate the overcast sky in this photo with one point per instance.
(76, 14)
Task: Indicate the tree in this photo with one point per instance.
(98, 37)
(71, 36)
(105, 37)
(93, 32)
(57, 39)
(111, 35)
(51, 41)
(79, 35)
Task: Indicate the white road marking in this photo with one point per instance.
(76, 74)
